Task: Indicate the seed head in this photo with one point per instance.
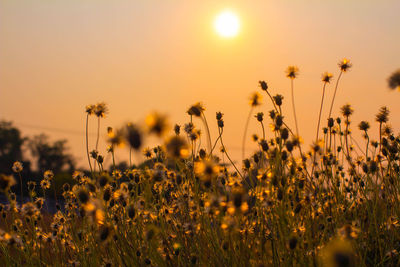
(196, 109)
(364, 126)
(255, 99)
(263, 85)
(101, 110)
(347, 110)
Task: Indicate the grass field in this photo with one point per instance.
(188, 204)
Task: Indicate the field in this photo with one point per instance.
(189, 204)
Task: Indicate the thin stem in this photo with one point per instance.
(208, 130)
(226, 153)
(245, 132)
(320, 112)
(87, 143)
(97, 139)
(22, 194)
(334, 94)
(294, 109)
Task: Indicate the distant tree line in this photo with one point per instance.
(45, 154)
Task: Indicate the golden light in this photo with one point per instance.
(227, 24)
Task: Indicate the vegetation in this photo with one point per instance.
(335, 205)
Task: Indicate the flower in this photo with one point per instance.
(6, 181)
(383, 115)
(292, 72)
(347, 110)
(157, 123)
(17, 167)
(101, 110)
(196, 109)
(48, 175)
(176, 147)
(394, 80)
(344, 65)
(263, 85)
(255, 99)
(327, 77)
(90, 109)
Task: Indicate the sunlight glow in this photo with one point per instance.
(227, 24)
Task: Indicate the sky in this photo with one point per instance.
(56, 57)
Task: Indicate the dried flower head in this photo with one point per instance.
(383, 115)
(347, 110)
(196, 109)
(263, 85)
(134, 136)
(90, 109)
(363, 126)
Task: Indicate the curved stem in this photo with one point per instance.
(87, 144)
(226, 153)
(320, 111)
(245, 132)
(334, 94)
(294, 109)
(208, 130)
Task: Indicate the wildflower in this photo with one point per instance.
(101, 110)
(177, 129)
(196, 109)
(17, 167)
(347, 110)
(157, 123)
(188, 128)
(255, 99)
(176, 147)
(364, 126)
(260, 116)
(29, 210)
(134, 136)
(45, 184)
(104, 233)
(327, 77)
(348, 232)
(344, 65)
(263, 85)
(82, 195)
(115, 138)
(6, 181)
(219, 116)
(90, 109)
(382, 116)
(147, 153)
(48, 175)
(278, 101)
(394, 80)
(292, 72)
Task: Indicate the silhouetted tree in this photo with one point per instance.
(51, 156)
(10, 147)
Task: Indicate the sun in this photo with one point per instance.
(227, 24)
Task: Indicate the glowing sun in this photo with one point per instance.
(227, 24)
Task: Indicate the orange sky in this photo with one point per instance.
(138, 56)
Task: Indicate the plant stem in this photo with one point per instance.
(87, 144)
(334, 94)
(245, 132)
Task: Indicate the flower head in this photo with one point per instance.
(327, 77)
(17, 167)
(196, 109)
(255, 99)
(6, 181)
(292, 72)
(157, 123)
(394, 80)
(344, 65)
(383, 115)
(101, 110)
(263, 85)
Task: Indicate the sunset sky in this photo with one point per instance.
(139, 56)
